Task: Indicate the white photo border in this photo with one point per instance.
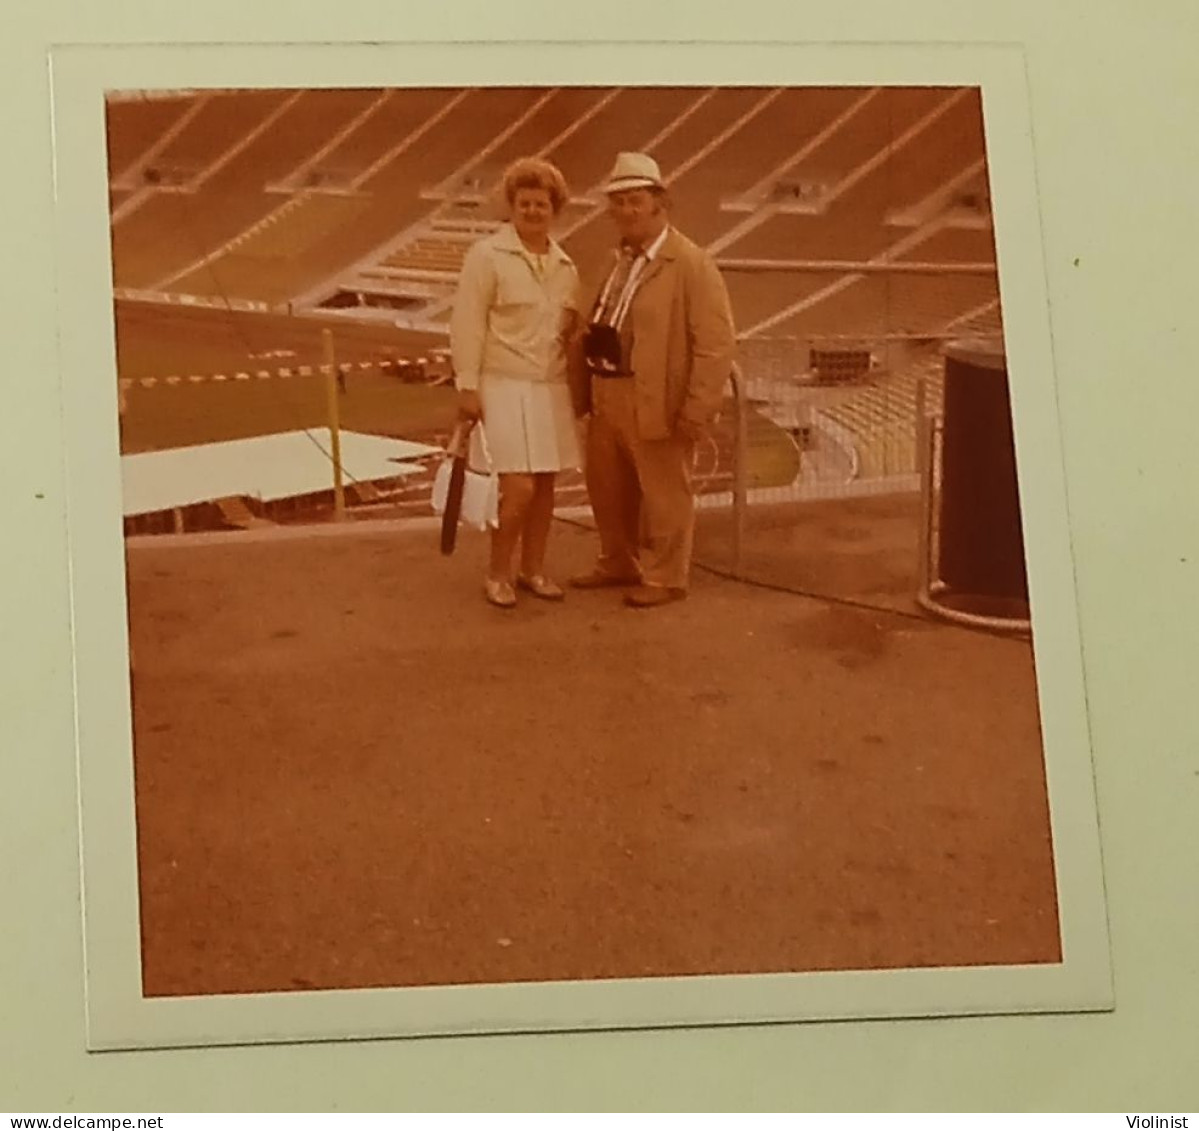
(119, 1017)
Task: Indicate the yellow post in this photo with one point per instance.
(334, 409)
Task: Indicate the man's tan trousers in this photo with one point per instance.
(640, 491)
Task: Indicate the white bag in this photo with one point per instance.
(481, 488)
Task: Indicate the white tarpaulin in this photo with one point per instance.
(265, 467)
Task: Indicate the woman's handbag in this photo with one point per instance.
(461, 493)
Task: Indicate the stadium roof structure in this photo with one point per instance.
(268, 468)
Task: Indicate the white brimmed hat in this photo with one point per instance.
(634, 170)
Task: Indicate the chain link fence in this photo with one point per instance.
(832, 452)
(825, 434)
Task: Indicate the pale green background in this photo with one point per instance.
(1113, 86)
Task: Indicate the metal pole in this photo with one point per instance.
(740, 470)
(924, 467)
(334, 413)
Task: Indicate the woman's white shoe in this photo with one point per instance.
(541, 586)
(499, 592)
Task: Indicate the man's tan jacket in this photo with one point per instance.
(683, 339)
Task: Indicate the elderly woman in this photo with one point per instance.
(514, 310)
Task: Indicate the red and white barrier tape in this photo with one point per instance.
(282, 373)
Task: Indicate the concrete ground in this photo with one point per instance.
(352, 771)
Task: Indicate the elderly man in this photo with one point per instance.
(650, 368)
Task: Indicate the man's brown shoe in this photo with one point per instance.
(650, 596)
(600, 579)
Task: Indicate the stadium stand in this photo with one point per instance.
(852, 222)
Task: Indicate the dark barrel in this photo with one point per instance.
(981, 539)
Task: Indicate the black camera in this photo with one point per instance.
(602, 349)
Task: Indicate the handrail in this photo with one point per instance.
(858, 267)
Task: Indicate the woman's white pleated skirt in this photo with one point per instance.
(530, 425)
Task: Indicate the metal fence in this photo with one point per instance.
(809, 482)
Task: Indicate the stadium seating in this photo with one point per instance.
(272, 195)
(359, 205)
